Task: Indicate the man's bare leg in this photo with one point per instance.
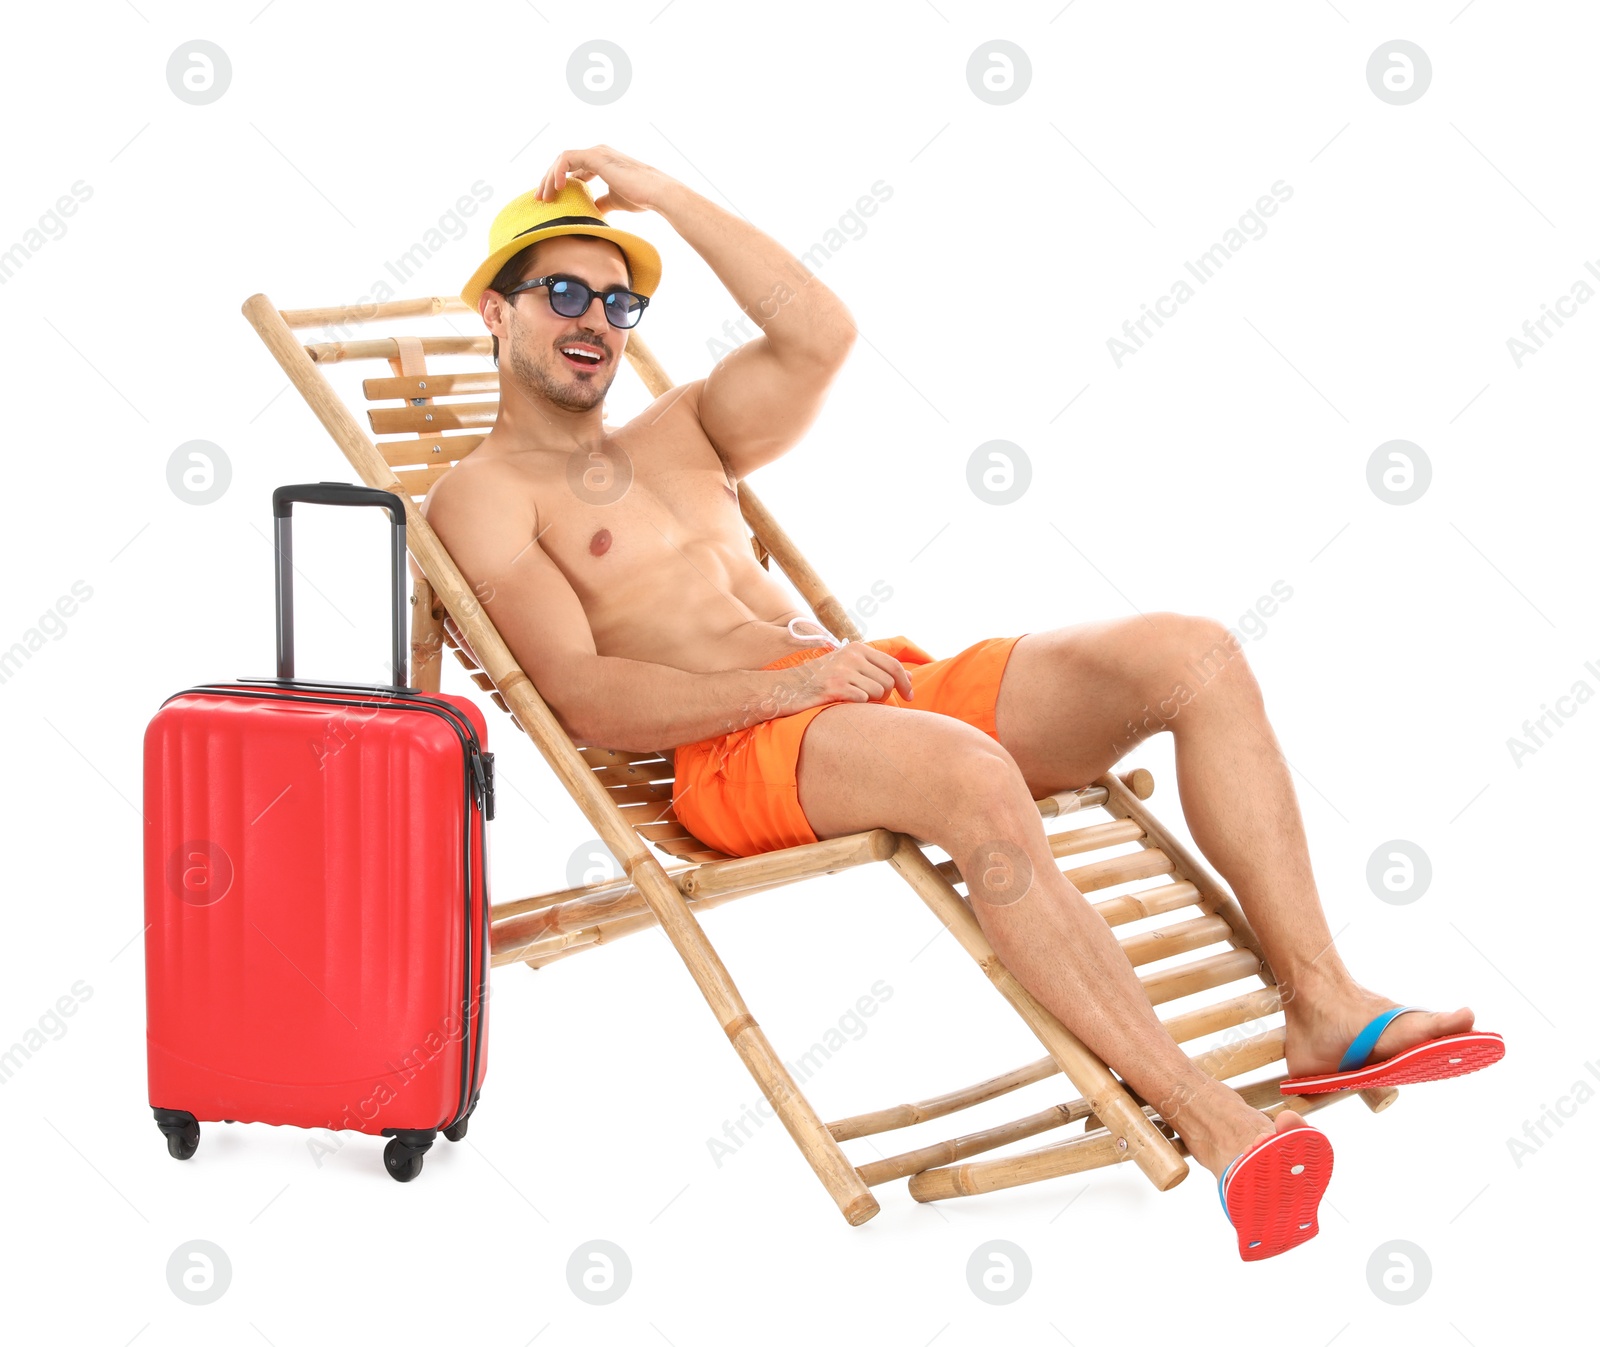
(867, 765)
(1073, 701)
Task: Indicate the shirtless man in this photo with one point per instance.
(616, 564)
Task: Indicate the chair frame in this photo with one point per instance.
(626, 797)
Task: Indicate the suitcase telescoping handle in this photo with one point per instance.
(336, 493)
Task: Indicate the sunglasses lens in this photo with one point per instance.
(569, 299)
(622, 310)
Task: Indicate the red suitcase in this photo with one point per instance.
(316, 905)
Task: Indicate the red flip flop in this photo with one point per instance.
(1436, 1059)
(1271, 1191)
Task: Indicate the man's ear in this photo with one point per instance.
(492, 302)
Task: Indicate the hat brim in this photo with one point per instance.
(642, 257)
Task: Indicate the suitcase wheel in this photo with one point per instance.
(181, 1131)
(458, 1128)
(402, 1157)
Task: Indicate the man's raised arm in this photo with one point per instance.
(759, 399)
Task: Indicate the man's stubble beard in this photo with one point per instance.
(535, 380)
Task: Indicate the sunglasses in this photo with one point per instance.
(571, 298)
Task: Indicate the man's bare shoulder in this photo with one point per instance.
(482, 490)
(673, 419)
(674, 410)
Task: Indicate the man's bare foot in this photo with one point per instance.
(1321, 1021)
(1217, 1126)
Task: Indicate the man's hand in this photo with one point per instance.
(632, 185)
(855, 672)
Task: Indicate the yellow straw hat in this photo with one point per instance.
(526, 220)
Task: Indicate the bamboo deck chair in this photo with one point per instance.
(627, 798)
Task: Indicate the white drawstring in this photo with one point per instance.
(825, 635)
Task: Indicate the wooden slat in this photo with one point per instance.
(1178, 937)
(1158, 898)
(1071, 801)
(942, 1153)
(434, 416)
(538, 953)
(690, 850)
(610, 889)
(1093, 836)
(627, 776)
(384, 348)
(618, 757)
(1213, 971)
(660, 818)
(788, 864)
(1142, 864)
(661, 781)
(1071, 842)
(339, 315)
(649, 811)
(1234, 1059)
(669, 831)
(641, 793)
(417, 482)
(430, 385)
(429, 449)
(908, 1115)
(1251, 1005)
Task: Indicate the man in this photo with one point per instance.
(615, 562)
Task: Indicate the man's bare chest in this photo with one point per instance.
(607, 518)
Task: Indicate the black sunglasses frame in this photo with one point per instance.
(641, 302)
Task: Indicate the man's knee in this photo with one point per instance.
(864, 766)
(1194, 652)
(979, 778)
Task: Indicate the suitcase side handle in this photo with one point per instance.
(284, 499)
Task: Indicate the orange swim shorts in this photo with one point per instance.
(737, 791)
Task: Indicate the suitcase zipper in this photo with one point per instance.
(479, 788)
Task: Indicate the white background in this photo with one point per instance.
(1229, 454)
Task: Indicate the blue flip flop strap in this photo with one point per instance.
(1222, 1195)
(1362, 1045)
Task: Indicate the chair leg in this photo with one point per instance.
(1132, 1136)
(822, 1152)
